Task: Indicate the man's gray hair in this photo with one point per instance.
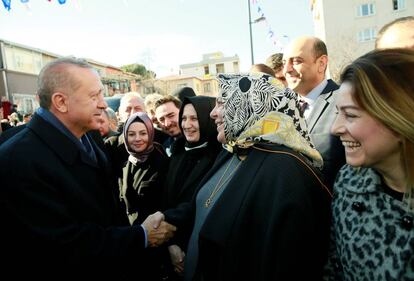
(111, 114)
(55, 76)
(127, 97)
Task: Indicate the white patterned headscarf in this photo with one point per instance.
(257, 109)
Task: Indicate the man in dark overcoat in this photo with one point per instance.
(58, 208)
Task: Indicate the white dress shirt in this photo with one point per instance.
(312, 96)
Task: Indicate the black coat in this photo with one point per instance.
(188, 167)
(142, 186)
(10, 132)
(186, 170)
(270, 223)
(58, 207)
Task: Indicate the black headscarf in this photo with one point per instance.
(184, 92)
(203, 106)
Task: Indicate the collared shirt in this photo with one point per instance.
(312, 96)
(83, 143)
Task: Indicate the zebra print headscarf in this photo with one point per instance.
(250, 99)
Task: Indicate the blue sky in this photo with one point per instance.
(161, 34)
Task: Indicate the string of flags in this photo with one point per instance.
(7, 3)
(270, 33)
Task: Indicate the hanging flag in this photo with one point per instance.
(6, 4)
(270, 34)
(259, 11)
(27, 5)
(78, 5)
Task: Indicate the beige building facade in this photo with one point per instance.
(203, 86)
(349, 27)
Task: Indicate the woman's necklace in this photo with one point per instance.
(221, 182)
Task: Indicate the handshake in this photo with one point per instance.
(158, 230)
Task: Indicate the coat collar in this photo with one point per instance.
(358, 180)
(64, 147)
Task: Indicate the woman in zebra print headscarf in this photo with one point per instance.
(262, 212)
(257, 110)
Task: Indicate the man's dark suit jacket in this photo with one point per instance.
(57, 206)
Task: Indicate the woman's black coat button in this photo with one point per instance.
(358, 206)
(407, 222)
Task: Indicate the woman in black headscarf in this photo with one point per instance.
(192, 163)
(201, 147)
(262, 212)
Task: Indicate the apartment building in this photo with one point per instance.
(20, 66)
(200, 76)
(349, 28)
(204, 86)
(210, 65)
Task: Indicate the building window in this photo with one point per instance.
(220, 68)
(366, 10)
(236, 66)
(207, 88)
(18, 62)
(398, 5)
(206, 70)
(179, 86)
(368, 34)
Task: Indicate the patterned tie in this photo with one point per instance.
(303, 106)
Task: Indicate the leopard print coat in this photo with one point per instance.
(372, 236)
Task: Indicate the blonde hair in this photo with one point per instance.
(383, 87)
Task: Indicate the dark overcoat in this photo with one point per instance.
(270, 223)
(58, 205)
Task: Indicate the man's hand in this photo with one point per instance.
(158, 231)
(177, 258)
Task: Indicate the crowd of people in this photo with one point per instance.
(285, 175)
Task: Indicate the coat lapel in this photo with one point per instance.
(321, 104)
(319, 107)
(57, 141)
(138, 178)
